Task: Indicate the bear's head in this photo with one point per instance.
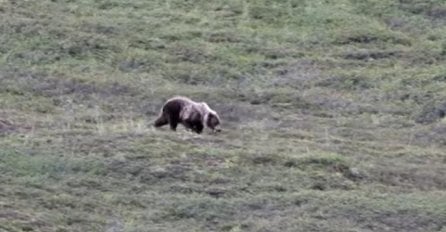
(213, 122)
(211, 118)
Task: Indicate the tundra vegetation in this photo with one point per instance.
(333, 115)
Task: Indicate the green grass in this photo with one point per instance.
(333, 115)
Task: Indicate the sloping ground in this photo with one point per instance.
(334, 115)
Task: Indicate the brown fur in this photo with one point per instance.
(193, 115)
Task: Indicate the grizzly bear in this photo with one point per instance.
(192, 115)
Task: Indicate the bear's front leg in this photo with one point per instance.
(198, 128)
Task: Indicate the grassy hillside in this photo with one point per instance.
(333, 115)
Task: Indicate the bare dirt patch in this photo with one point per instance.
(40, 83)
(7, 127)
(12, 220)
(432, 135)
(432, 112)
(407, 178)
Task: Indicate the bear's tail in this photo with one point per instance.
(160, 121)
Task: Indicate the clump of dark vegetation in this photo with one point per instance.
(432, 112)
